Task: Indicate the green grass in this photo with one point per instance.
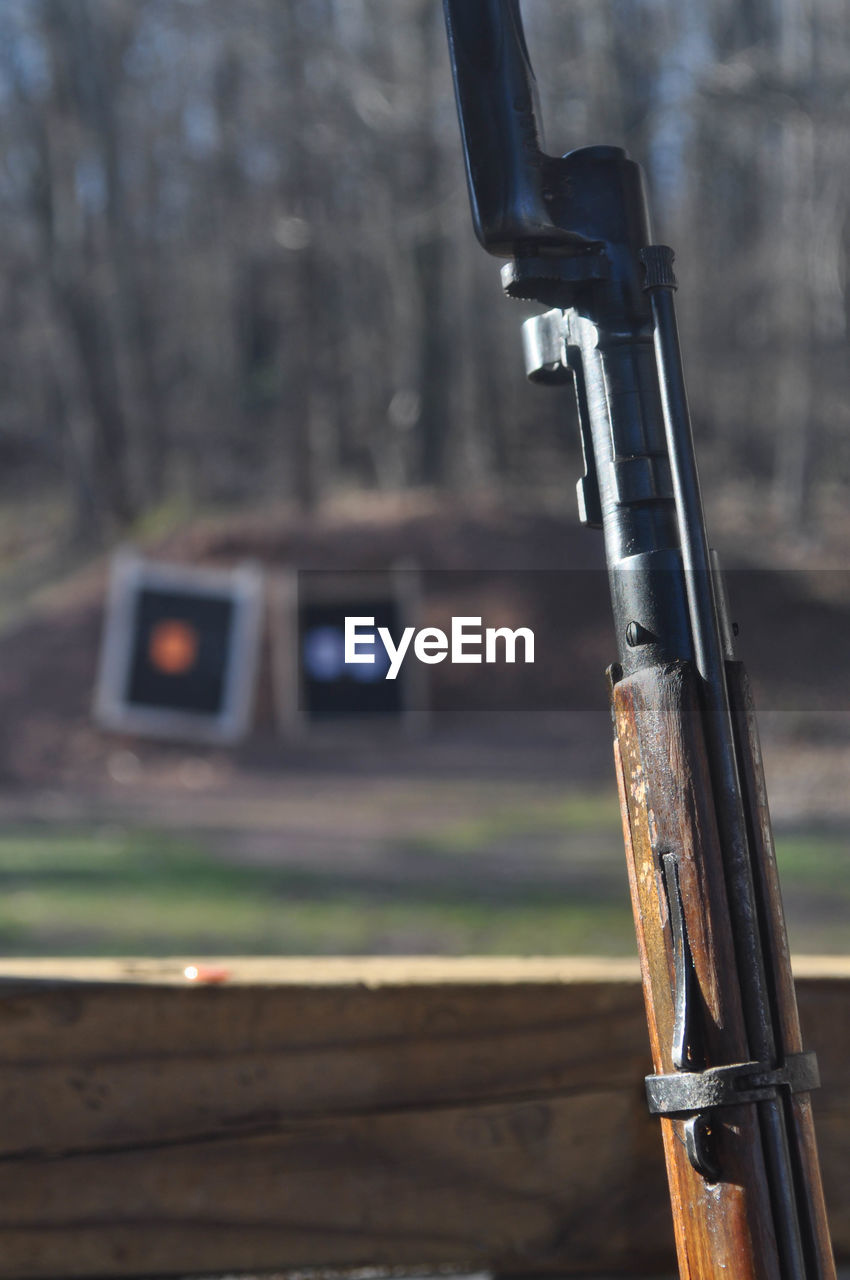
(573, 815)
(114, 892)
(117, 892)
(815, 861)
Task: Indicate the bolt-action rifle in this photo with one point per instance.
(731, 1081)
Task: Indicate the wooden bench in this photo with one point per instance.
(344, 1113)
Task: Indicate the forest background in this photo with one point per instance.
(237, 262)
(243, 315)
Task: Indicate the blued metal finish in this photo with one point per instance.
(625, 430)
(684, 967)
(514, 189)
(698, 1145)
(544, 348)
(728, 629)
(587, 486)
(543, 279)
(684, 1092)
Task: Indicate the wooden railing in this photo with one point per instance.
(344, 1113)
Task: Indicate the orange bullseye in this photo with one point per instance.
(173, 647)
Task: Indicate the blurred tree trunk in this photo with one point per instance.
(114, 330)
(97, 50)
(794, 167)
(792, 371)
(300, 33)
(245, 230)
(69, 266)
(436, 368)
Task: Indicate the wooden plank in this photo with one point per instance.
(344, 1113)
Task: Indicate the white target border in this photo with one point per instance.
(129, 575)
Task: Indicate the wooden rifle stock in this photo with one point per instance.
(722, 1227)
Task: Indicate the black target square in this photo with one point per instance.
(188, 672)
(332, 689)
(180, 650)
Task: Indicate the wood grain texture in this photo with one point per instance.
(346, 1113)
(722, 1227)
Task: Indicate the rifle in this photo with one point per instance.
(731, 1082)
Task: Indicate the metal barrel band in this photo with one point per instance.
(683, 1093)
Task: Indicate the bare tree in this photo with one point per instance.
(237, 253)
